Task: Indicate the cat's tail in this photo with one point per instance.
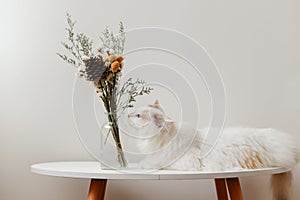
(281, 185)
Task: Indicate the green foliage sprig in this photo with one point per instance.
(79, 45)
(131, 89)
(113, 43)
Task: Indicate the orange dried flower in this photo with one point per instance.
(119, 59)
(115, 66)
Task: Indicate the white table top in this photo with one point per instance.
(91, 169)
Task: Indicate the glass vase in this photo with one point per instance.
(110, 144)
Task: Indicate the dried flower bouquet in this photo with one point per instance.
(103, 67)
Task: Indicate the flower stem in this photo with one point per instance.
(116, 135)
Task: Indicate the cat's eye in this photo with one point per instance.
(138, 115)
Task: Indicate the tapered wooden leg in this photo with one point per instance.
(234, 188)
(221, 188)
(97, 189)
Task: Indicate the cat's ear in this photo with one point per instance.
(156, 103)
(158, 120)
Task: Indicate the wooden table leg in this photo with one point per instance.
(97, 189)
(234, 188)
(221, 188)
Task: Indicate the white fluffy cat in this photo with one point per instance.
(172, 146)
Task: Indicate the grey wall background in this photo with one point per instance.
(254, 43)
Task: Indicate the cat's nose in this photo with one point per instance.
(128, 115)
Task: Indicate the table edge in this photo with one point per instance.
(158, 175)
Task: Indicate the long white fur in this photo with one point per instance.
(174, 146)
(275, 148)
(167, 147)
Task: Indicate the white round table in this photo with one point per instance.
(224, 180)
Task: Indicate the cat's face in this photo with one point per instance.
(145, 116)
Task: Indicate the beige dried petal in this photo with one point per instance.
(111, 58)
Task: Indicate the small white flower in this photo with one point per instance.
(85, 58)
